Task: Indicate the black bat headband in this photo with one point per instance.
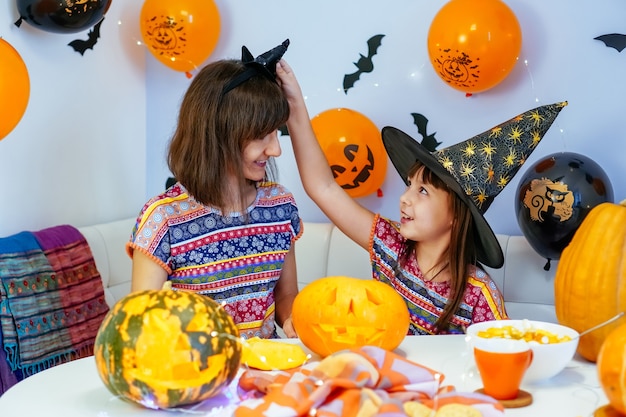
(264, 64)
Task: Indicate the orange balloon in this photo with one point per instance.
(354, 149)
(474, 44)
(14, 88)
(181, 34)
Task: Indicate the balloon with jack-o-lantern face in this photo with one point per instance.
(474, 44)
(337, 312)
(180, 34)
(354, 149)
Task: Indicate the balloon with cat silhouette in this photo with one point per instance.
(554, 196)
(62, 16)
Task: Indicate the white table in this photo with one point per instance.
(75, 389)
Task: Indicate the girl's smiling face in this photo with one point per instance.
(257, 153)
(425, 212)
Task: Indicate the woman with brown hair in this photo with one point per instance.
(225, 229)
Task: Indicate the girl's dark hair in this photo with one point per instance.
(461, 251)
(214, 128)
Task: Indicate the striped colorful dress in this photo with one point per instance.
(235, 260)
(482, 300)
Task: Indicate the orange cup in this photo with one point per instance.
(502, 364)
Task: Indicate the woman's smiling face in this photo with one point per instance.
(257, 153)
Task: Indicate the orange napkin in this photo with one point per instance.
(366, 381)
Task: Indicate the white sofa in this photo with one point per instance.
(323, 250)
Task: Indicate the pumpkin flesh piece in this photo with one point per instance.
(268, 355)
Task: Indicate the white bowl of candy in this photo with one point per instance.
(553, 345)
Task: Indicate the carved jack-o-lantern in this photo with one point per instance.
(336, 313)
(353, 148)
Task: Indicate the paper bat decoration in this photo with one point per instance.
(616, 41)
(81, 46)
(364, 64)
(428, 141)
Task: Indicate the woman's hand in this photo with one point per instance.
(288, 328)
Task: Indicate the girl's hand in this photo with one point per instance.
(283, 70)
(288, 328)
(287, 80)
(291, 88)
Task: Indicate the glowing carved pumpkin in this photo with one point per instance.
(336, 313)
(163, 349)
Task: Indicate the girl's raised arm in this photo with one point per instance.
(317, 178)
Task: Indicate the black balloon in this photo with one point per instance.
(62, 16)
(553, 198)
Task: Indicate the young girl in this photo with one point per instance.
(431, 256)
(224, 229)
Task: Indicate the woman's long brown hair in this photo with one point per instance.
(214, 128)
(460, 253)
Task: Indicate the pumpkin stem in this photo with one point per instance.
(546, 267)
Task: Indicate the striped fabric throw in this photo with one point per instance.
(51, 298)
(366, 381)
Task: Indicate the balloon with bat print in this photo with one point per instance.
(474, 44)
(180, 34)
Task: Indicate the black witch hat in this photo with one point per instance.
(478, 168)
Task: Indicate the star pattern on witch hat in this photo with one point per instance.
(477, 169)
(484, 164)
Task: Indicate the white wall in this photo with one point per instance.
(78, 153)
(559, 60)
(91, 146)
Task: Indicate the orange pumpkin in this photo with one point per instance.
(590, 280)
(337, 312)
(611, 367)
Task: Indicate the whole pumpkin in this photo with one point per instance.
(337, 312)
(611, 367)
(590, 280)
(164, 348)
